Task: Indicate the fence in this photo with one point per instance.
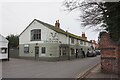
(14, 53)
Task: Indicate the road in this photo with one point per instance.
(19, 68)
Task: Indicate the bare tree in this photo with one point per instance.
(98, 14)
(92, 12)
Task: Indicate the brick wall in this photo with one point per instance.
(110, 54)
(118, 58)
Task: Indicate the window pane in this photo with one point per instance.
(81, 42)
(36, 34)
(26, 48)
(43, 50)
(64, 51)
(84, 43)
(72, 40)
(72, 51)
(3, 50)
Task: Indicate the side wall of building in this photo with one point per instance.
(52, 50)
(47, 41)
(4, 47)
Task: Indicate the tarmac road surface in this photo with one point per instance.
(20, 68)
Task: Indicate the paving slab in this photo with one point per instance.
(96, 73)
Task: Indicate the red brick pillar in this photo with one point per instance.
(118, 58)
(108, 54)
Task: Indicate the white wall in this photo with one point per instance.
(63, 38)
(26, 35)
(45, 35)
(3, 44)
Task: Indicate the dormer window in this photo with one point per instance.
(36, 35)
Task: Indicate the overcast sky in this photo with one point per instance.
(16, 16)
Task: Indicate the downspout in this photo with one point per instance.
(68, 46)
(8, 51)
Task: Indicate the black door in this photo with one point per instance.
(76, 53)
(36, 52)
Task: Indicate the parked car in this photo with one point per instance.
(97, 52)
(91, 53)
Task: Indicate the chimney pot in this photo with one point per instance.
(57, 24)
(83, 35)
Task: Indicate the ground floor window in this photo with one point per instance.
(43, 50)
(64, 51)
(3, 50)
(26, 48)
(72, 51)
(76, 50)
(60, 51)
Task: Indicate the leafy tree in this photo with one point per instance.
(113, 19)
(13, 40)
(100, 15)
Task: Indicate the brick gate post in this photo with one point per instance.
(118, 53)
(108, 53)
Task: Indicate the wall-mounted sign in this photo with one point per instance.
(53, 36)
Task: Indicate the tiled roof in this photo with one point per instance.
(57, 30)
(61, 31)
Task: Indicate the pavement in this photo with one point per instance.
(95, 73)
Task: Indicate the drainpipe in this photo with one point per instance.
(68, 46)
(59, 52)
(8, 52)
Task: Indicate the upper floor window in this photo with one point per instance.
(36, 35)
(72, 40)
(81, 42)
(84, 43)
(77, 41)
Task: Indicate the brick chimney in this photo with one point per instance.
(91, 41)
(57, 24)
(83, 35)
(94, 42)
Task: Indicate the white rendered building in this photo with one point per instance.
(3, 47)
(43, 41)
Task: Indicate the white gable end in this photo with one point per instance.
(25, 37)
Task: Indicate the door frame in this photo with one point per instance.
(37, 52)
